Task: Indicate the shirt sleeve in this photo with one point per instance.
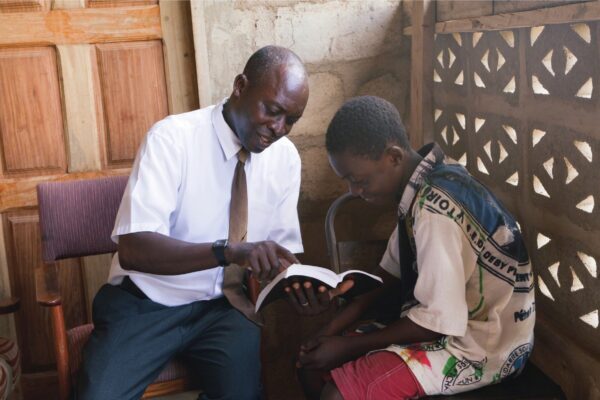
(151, 195)
(440, 288)
(391, 258)
(285, 228)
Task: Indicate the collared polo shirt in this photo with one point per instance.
(475, 281)
(180, 186)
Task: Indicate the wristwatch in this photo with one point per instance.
(218, 248)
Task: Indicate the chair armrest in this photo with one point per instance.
(47, 292)
(9, 305)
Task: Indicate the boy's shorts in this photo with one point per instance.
(381, 375)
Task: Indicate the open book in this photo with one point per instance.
(363, 282)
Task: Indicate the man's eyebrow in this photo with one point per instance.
(274, 103)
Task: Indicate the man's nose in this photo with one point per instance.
(278, 127)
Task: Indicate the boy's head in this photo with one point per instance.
(367, 145)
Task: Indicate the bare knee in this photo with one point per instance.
(331, 392)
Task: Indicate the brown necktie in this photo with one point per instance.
(233, 275)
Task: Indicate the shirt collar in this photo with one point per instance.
(433, 155)
(230, 143)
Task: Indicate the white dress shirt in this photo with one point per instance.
(180, 186)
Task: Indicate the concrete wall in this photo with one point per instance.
(350, 48)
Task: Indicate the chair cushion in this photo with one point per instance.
(77, 337)
(77, 217)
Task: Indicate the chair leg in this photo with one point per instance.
(61, 352)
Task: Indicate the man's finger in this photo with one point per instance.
(274, 261)
(341, 288)
(254, 265)
(283, 264)
(265, 266)
(288, 255)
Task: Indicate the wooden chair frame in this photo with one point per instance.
(48, 295)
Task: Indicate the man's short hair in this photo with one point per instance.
(365, 125)
(267, 58)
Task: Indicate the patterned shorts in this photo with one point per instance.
(381, 375)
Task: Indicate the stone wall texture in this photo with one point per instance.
(349, 47)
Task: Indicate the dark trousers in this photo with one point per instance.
(134, 338)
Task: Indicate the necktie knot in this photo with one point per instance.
(243, 155)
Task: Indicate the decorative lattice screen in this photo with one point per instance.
(521, 109)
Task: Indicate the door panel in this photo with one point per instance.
(134, 97)
(31, 125)
(81, 81)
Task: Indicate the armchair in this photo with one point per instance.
(76, 219)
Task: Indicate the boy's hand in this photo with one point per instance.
(325, 352)
(305, 301)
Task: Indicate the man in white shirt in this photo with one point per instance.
(164, 297)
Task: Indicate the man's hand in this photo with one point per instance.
(305, 301)
(325, 352)
(264, 258)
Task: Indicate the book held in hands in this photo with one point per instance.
(363, 282)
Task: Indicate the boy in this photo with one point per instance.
(456, 258)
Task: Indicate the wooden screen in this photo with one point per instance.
(520, 109)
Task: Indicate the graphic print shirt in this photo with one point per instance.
(474, 284)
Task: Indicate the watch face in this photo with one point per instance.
(220, 243)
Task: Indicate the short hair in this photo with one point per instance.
(267, 58)
(365, 125)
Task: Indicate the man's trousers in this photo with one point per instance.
(134, 338)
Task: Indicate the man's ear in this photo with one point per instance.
(396, 154)
(240, 83)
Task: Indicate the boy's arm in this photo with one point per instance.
(327, 352)
(358, 306)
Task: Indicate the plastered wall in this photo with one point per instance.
(349, 47)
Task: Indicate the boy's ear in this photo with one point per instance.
(396, 154)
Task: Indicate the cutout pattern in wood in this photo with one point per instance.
(495, 143)
(450, 131)
(567, 273)
(530, 102)
(561, 61)
(493, 62)
(563, 167)
(448, 67)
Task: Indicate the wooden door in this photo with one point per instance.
(81, 81)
